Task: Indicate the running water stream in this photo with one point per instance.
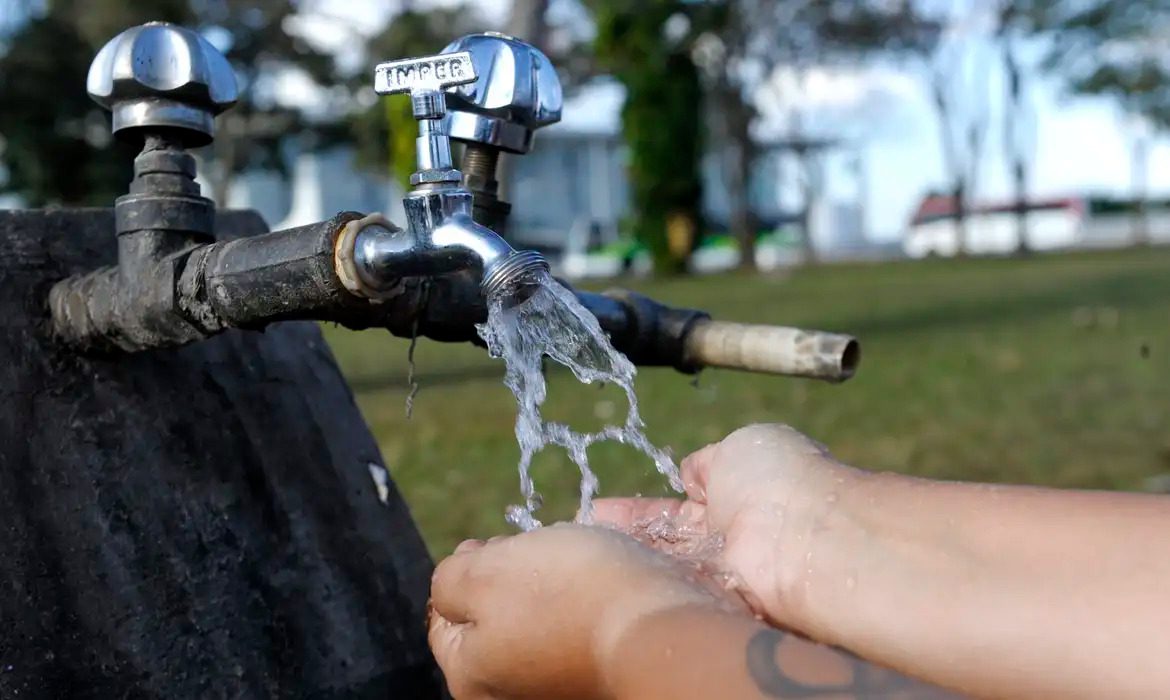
(551, 322)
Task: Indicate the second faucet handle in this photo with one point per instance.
(516, 93)
(424, 79)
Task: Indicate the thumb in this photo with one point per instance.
(445, 637)
(696, 470)
(448, 642)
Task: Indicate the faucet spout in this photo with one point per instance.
(383, 254)
(482, 247)
(500, 266)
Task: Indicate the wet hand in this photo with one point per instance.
(768, 491)
(538, 615)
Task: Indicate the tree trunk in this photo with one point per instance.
(525, 21)
(962, 167)
(1013, 140)
(1141, 220)
(807, 200)
(1020, 177)
(962, 240)
(226, 155)
(739, 149)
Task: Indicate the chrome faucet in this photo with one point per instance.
(174, 283)
(441, 236)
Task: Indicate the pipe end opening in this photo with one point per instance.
(850, 359)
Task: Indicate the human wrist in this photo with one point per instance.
(824, 543)
(874, 556)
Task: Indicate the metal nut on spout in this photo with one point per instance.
(344, 251)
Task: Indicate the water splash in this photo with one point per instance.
(552, 323)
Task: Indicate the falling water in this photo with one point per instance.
(551, 322)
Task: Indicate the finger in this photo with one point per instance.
(453, 586)
(449, 644)
(444, 638)
(468, 546)
(692, 513)
(623, 513)
(695, 470)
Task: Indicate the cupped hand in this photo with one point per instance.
(538, 615)
(767, 491)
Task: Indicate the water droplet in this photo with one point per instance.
(850, 583)
(831, 498)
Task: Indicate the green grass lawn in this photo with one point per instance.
(1051, 370)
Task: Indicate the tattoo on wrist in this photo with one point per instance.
(865, 680)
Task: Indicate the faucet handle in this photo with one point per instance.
(162, 76)
(425, 74)
(425, 79)
(517, 92)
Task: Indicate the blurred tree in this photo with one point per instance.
(660, 120)
(725, 43)
(1115, 48)
(254, 132)
(57, 141)
(960, 86)
(742, 43)
(526, 20)
(1018, 21)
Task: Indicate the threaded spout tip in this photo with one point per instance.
(520, 269)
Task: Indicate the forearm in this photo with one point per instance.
(699, 654)
(996, 590)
